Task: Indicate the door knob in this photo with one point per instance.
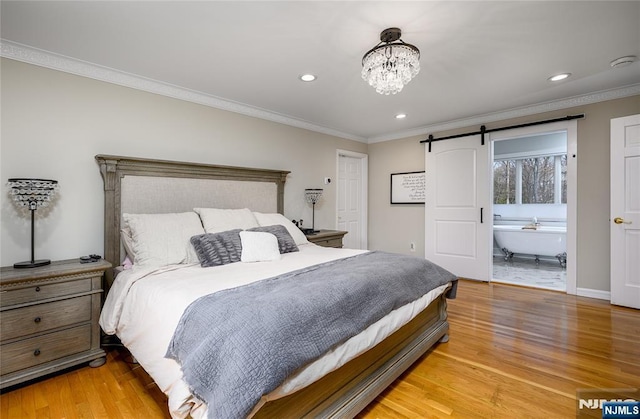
(619, 220)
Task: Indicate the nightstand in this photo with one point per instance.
(49, 319)
(327, 238)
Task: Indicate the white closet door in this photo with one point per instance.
(458, 215)
(350, 201)
(625, 211)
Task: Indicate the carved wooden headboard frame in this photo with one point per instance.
(114, 168)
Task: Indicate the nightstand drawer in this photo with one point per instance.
(42, 317)
(42, 292)
(329, 243)
(327, 238)
(44, 348)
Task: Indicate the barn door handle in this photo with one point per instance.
(481, 210)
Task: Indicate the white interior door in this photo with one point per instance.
(351, 203)
(625, 211)
(458, 216)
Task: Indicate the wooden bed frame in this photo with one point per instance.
(342, 393)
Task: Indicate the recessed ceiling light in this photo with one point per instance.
(401, 116)
(559, 77)
(622, 61)
(307, 77)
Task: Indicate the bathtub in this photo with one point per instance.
(544, 241)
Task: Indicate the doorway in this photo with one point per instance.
(530, 210)
(534, 196)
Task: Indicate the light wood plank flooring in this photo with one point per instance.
(513, 352)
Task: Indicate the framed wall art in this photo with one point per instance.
(408, 188)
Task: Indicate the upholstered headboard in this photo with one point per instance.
(145, 186)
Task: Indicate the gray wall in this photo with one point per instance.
(54, 123)
(394, 227)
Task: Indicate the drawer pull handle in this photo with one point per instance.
(37, 320)
(37, 289)
(36, 352)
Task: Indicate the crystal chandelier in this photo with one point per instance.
(391, 64)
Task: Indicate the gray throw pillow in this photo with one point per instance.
(215, 249)
(286, 244)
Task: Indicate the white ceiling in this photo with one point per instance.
(480, 60)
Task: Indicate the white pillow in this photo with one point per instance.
(127, 242)
(276, 218)
(258, 246)
(217, 220)
(163, 239)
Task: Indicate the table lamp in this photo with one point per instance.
(32, 194)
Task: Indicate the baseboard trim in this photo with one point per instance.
(587, 292)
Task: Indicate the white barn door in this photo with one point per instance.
(625, 211)
(458, 215)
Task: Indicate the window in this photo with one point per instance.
(563, 179)
(504, 182)
(538, 180)
(532, 180)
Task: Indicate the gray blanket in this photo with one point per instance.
(238, 344)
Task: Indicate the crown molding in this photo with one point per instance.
(42, 58)
(571, 102)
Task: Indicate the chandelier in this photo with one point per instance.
(391, 64)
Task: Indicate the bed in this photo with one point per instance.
(147, 305)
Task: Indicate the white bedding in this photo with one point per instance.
(143, 308)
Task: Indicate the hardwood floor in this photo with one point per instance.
(513, 352)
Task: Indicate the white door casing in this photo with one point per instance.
(351, 204)
(625, 211)
(458, 216)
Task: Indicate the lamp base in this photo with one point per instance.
(31, 263)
